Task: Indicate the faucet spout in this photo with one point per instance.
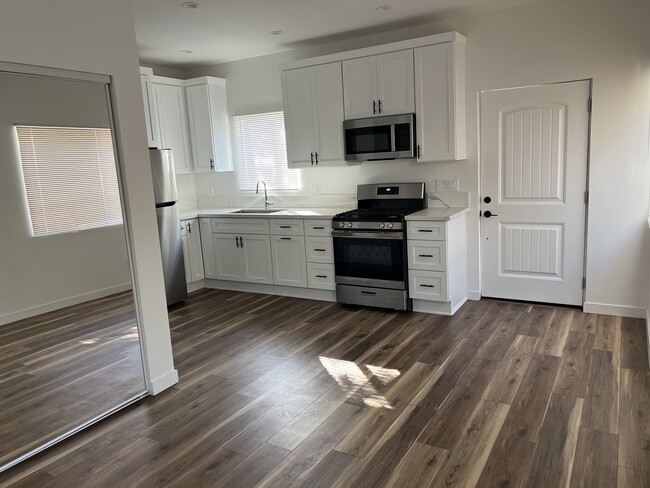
(267, 204)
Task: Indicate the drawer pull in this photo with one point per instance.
(321, 276)
(285, 227)
(318, 228)
(368, 292)
(285, 238)
(320, 250)
(425, 230)
(428, 286)
(425, 255)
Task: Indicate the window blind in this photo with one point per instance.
(260, 152)
(70, 178)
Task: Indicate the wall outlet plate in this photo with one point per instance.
(211, 191)
(315, 189)
(448, 184)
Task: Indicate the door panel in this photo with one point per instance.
(256, 259)
(360, 87)
(395, 83)
(228, 257)
(289, 262)
(533, 170)
(298, 116)
(327, 101)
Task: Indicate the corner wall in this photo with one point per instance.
(544, 42)
(98, 36)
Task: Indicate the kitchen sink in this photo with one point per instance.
(257, 210)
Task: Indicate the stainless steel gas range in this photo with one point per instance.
(370, 259)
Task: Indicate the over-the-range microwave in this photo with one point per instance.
(380, 138)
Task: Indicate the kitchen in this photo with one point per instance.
(493, 62)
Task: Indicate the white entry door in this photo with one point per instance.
(533, 183)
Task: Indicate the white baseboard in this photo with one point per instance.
(473, 295)
(195, 285)
(618, 310)
(285, 291)
(647, 331)
(163, 382)
(58, 304)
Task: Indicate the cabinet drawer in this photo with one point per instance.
(431, 231)
(321, 276)
(288, 227)
(240, 226)
(319, 250)
(428, 285)
(427, 255)
(318, 228)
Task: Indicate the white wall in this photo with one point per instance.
(98, 36)
(544, 42)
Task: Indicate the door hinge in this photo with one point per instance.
(584, 283)
(586, 197)
(589, 104)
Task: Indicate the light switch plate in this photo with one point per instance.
(211, 191)
(315, 189)
(448, 184)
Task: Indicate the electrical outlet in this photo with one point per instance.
(315, 189)
(449, 184)
(211, 191)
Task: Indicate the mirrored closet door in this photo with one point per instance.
(69, 343)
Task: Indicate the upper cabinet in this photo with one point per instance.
(440, 102)
(209, 128)
(425, 76)
(379, 85)
(313, 115)
(172, 119)
(191, 118)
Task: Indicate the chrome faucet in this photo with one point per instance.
(267, 204)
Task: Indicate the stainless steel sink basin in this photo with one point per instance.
(257, 210)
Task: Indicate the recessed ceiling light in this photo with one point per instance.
(384, 8)
(190, 5)
(186, 51)
(276, 32)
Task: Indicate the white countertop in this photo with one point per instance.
(290, 213)
(438, 213)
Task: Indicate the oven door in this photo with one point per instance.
(369, 259)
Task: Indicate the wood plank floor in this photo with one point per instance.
(281, 392)
(63, 368)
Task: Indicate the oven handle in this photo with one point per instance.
(367, 235)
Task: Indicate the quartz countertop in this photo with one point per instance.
(438, 213)
(287, 213)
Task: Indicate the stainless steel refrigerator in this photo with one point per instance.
(169, 225)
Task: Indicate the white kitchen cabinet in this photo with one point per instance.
(313, 115)
(437, 264)
(150, 111)
(172, 118)
(208, 124)
(440, 101)
(321, 276)
(192, 252)
(289, 261)
(207, 246)
(319, 250)
(379, 85)
(228, 257)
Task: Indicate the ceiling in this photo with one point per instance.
(219, 31)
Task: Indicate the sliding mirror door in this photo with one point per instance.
(69, 345)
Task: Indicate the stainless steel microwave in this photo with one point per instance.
(380, 138)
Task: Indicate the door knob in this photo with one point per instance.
(487, 199)
(487, 214)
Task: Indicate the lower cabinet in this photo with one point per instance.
(289, 261)
(243, 258)
(192, 251)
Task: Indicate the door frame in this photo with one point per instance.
(479, 105)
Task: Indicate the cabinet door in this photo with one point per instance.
(360, 87)
(434, 93)
(150, 112)
(207, 248)
(327, 102)
(298, 117)
(186, 252)
(289, 261)
(228, 257)
(198, 109)
(196, 272)
(174, 130)
(395, 83)
(256, 259)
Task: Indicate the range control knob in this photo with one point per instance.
(382, 225)
(349, 224)
(390, 226)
